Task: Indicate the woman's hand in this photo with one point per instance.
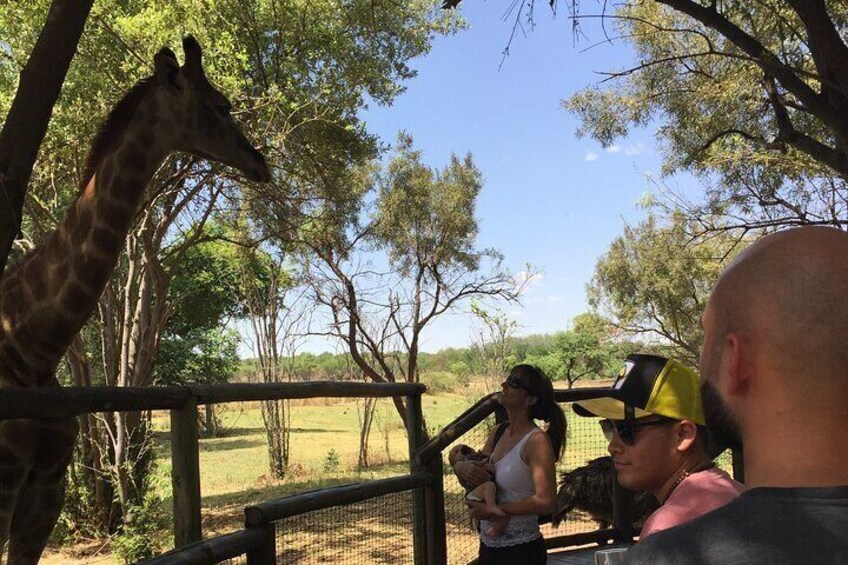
(478, 510)
(472, 472)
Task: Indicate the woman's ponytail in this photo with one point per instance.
(546, 407)
(557, 427)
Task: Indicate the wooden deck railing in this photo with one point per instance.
(41, 403)
(258, 540)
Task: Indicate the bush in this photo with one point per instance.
(462, 372)
(79, 516)
(331, 461)
(440, 381)
(144, 531)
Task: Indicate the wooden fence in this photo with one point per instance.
(182, 402)
(258, 540)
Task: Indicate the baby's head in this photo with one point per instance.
(462, 452)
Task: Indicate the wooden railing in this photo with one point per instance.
(622, 531)
(182, 402)
(258, 540)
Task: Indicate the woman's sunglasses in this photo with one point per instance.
(626, 429)
(513, 382)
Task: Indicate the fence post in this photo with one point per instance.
(185, 474)
(414, 431)
(434, 514)
(265, 554)
(622, 512)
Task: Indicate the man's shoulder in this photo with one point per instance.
(719, 475)
(756, 527)
(680, 543)
(714, 482)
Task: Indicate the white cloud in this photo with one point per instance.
(613, 149)
(636, 149)
(591, 156)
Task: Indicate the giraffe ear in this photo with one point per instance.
(193, 55)
(167, 69)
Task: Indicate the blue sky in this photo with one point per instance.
(549, 198)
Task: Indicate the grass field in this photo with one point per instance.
(324, 449)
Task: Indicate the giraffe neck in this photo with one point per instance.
(50, 293)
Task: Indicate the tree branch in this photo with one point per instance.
(769, 62)
(787, 133)
(827, 48)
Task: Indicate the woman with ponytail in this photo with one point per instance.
(524, 459)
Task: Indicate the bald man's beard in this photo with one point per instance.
(723, 427)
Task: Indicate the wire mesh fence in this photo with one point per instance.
(584, 442)
(462, 540)
(378, 530)
(240, 560)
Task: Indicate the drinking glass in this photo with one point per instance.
(612, 556)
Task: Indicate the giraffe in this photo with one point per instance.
(46, 296)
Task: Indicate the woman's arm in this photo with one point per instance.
(540, 459)
(474, 472)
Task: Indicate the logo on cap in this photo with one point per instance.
(622, 374)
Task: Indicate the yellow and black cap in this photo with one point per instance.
(649, 384)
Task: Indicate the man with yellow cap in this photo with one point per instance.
(654, 421)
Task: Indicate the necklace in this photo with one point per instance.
(683, 475)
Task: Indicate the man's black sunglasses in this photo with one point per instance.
(513, 382)
(626, 429)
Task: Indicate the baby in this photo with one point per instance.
(485, 492)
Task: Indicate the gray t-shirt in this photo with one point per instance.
(774, 526)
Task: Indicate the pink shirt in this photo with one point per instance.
(695, 496)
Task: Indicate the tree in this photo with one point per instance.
(654, 281)
(302, 71)
(587, 349)
(423, 223)
(592, 347)
(273, 305)
(200, 356)
(195, 347)
(492, 345)
(752, 96)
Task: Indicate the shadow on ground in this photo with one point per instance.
(226, 444)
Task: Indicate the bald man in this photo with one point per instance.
(774, 372)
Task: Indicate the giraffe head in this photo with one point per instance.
(207, 128)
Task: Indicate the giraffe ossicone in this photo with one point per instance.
(46, 296)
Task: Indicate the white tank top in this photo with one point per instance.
(514, 482)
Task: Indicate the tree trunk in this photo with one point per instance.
(277, 435)
(120, 472)
(273, 333)
(210, 422)
(39, 87)
(386, 429)
(131, 323)
(365, 431)
(88, 465)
